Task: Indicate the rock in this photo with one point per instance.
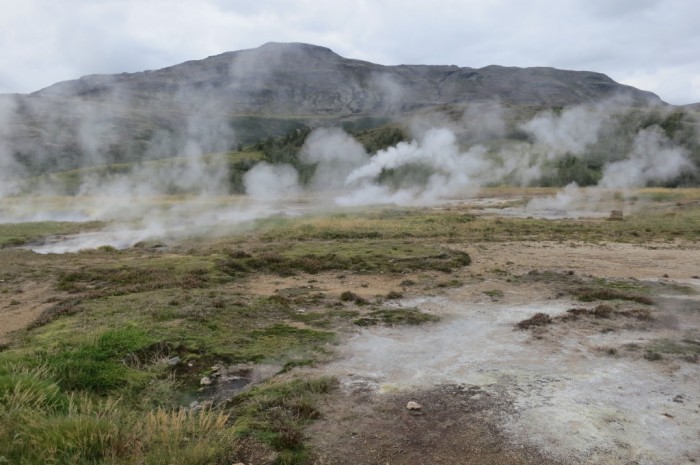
(412, 405)
(174, 361)
(205, 381)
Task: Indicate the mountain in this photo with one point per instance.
(239, 97)
(307, 80)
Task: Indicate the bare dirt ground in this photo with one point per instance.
(607, 260)
(20, 307)
(578, 391)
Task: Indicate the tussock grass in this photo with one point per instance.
(538, 319)
(276, 414)
(588, 294)
(40, 423)
(396, 317)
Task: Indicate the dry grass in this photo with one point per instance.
(40, 424)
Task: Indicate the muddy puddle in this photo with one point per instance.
(567, 399)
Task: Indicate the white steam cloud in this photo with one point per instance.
(452, 156)
(569, 132)
(266, 182)
(653, 158)
(448, 171)
(336, 154)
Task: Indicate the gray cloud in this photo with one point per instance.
(650, 44)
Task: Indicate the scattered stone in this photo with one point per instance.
(205, 381)
(194, 404)
(173, 361)
(412, 405)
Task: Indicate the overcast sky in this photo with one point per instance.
(650, 44)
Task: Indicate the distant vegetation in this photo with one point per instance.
(681, 127)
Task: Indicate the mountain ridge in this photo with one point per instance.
(314, 80)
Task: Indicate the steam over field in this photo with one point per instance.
(183, 187)
(528, 277)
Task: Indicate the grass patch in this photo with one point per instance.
(591, 294)
(687, 349)
(396, 317)
(40, 424)
(680, 223)
(359, 257)
(17, 234)
(157, 273)
(277, 412)
(97, 364)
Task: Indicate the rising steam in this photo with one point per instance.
(447, 158)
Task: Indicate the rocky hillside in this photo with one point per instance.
(239, 97)
(307, 80)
